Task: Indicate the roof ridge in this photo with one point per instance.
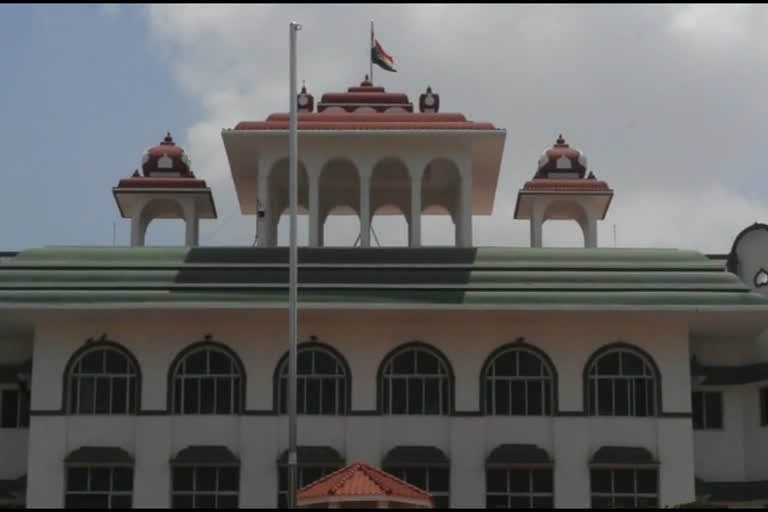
(386, 476)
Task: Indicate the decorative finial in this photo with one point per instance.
(429, 89)
(136, 173)
(560, 139)
(168, 139)
(366, 77)
(208, 337)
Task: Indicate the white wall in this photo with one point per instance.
(364, 339)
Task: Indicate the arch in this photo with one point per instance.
(568, 210)
(338, 185)
(160, 208)
(238, 402)
(344, 219)
(279, 191)
(520, 344)
(313, 346)
(445, 407)
(91, 346)
(622, 347)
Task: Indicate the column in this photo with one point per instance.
(590, 233)
(365, 209)
(465, 218)
(414, 225)
(537, 219)
(263, 223)
(314, 208)
(138, 226)
(191, 223)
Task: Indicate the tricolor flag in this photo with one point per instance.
(381, 58)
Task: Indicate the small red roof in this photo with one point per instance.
(542, 184)
(362, 481)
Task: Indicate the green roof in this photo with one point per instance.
(404, 277)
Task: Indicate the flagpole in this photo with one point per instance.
(293, 143)
(370, 52)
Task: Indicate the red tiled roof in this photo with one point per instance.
(361, 480)
(359, 124)
(565, 185)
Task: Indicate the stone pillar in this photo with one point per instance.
(537, 220)
(414, 224)
(265, 222)
(465, 218)
(365, 209)
(138, 224)
(314, 207)
(192, 223)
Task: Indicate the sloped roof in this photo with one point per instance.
(504, 278)
(364, 482)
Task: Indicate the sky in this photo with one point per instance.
(666, 101)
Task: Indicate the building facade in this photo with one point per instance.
(489, 377)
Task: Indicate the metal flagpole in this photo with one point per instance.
(370, 52)
(293, 143)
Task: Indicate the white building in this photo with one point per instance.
(512, 377)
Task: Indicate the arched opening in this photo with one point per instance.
(163, 222)
(339, 191)
(340, 227)
(390, 203)
(389, 229)
(279, 191)
(440, 201)
(437, 227)
(569, 232)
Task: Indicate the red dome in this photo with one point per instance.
(562, 158)
(166, 158)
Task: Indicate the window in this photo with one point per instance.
(764, 406)
(321, 383)
(415, 381)
(306, 474)
(518, 382)
(205, 487)
(621, 383)
(707, 409)
(624, 488)
(207, 381)
(99, 487)
(14, 408)
(433, 479)
(102, 381)
(513, 488)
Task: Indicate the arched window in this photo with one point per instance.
(102, 380)
(621, 382)
(518, 381)
(322, 382)
(415, 380)
(208, 379)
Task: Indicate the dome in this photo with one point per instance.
(166, 159)
(561, 158)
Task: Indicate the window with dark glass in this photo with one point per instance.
(205, 487)
(306, 474)
(621, 383)
(624, 488)
(519, 487)
(707, 409)
(433, 479)
(102, 381)
(415, 381)
(207, 381)
(764, 406)
(518, 382)
(321, 383)
(14, 408)
(99, 487)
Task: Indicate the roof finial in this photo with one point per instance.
(560, 140)
(168, 139)
(366, 77)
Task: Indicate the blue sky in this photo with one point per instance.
(667, 102)
(82, 95)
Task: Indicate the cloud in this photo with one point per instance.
(666, 101)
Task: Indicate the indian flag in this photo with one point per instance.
(382, 58)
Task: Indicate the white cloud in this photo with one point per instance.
(666, 101)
